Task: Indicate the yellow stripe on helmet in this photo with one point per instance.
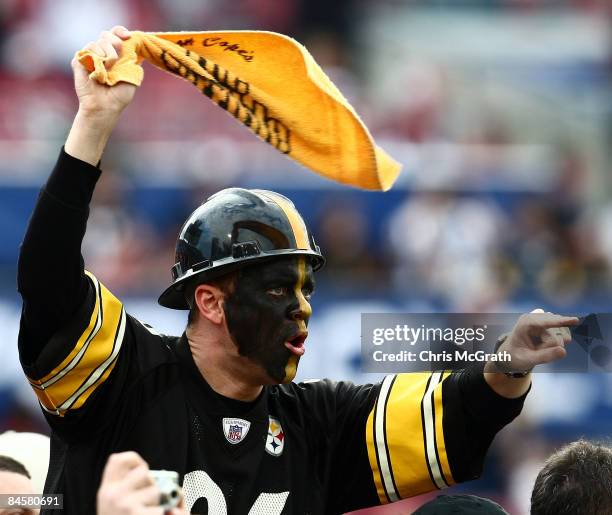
(295, 220)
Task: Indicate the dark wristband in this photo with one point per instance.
(514, 374)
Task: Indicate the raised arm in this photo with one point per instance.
(51, 277)
(427, 431)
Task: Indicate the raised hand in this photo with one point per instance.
(95, 98)
(536, 338)
(99, 105)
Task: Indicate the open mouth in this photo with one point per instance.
(296, 344)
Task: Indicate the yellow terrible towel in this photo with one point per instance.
(270, 83)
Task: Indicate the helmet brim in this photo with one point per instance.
(173, 297)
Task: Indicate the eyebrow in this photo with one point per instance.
(285, 277)
(268, 273)
(287, 274)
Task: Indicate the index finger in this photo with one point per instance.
(550, 321)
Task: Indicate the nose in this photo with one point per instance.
(300, 309)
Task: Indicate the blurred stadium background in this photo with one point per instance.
(499, 110)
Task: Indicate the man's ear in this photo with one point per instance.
(209, 301)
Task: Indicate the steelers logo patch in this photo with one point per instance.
(275, 442)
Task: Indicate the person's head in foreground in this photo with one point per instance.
(460, 505)
(244, 269)
(16, 480)
(31, 450)
(575, 480)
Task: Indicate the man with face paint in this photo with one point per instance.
(256, 313)
(217, 404)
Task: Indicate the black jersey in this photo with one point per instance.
(109, 383)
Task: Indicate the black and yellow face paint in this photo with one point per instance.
(268, 312)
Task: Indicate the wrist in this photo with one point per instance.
(502, 366)
(101, 120)
(506, 380)
(89, 134)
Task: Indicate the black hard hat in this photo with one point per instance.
(232, 228)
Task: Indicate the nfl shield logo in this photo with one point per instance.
(235, 433)
(235, 429)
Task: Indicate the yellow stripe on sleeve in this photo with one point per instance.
(405, 435)
(91, 360)
(90, 331)
(405, 438)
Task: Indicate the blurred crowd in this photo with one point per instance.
(504, 202)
